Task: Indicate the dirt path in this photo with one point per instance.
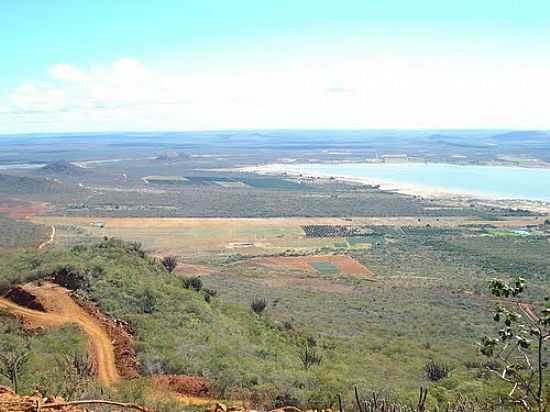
(50, 240)
(60, 310)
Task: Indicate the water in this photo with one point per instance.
(484, 181)
(22, 166)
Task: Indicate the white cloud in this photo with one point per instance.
(66, 72)
(373, 92)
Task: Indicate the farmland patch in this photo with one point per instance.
(165, 180)
(326, 264)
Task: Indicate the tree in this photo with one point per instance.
(169, 263)
(522, 330)
(13, 357)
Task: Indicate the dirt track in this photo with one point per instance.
(60, 310)
(50, 239)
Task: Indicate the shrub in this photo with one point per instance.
(309, 356)
(436, 371)
(169, 263)
(70, 279)
(258, 305)
(209, 294)
(148, 301)
(194, 283)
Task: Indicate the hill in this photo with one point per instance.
(180, 328)
(62, 167)
(527, 136)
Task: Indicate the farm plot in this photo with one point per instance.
(165, 180)
(326, 265)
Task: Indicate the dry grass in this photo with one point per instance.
(319, 285)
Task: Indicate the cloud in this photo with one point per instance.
(66, 72)
(370, 92)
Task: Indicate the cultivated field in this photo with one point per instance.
(328, 264)
(195, 237)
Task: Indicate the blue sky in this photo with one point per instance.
(140, 65)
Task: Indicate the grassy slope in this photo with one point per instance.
(244, 354)
(45, 369)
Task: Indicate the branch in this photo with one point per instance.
(94, 402)
(501, 376)
(513, 390)
(526, 357)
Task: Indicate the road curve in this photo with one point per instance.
(61, 310)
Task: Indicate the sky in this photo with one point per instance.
(137, 65)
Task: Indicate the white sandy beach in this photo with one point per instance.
(426, 192)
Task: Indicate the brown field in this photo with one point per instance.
(197, 237)
(345, 264)
(205, 237)
(20, 209)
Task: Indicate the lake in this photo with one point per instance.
(484, 181)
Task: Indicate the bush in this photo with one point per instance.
(258, 305)
(436, 371)
(194, 283)
(148, 301)
(169, 263)
(209, 294)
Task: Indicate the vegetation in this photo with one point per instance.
(522, 331)
(436, 371)
(309, 355)
(261, 358)
(20, 233)
(258, 306)
(30, 362)
(13, 356)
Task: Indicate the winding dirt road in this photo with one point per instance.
(61, 310)
(50, 239)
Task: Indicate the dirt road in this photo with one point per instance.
(60, 310)
(50, 239)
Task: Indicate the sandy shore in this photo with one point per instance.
(426, 192)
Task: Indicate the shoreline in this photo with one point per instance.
(425, 192)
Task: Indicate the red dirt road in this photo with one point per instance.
(61, 310)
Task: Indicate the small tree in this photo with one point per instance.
(258, 305)
(309, 355)
(523, 330)
(169, 263)
(12, 361)
(77, 374)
